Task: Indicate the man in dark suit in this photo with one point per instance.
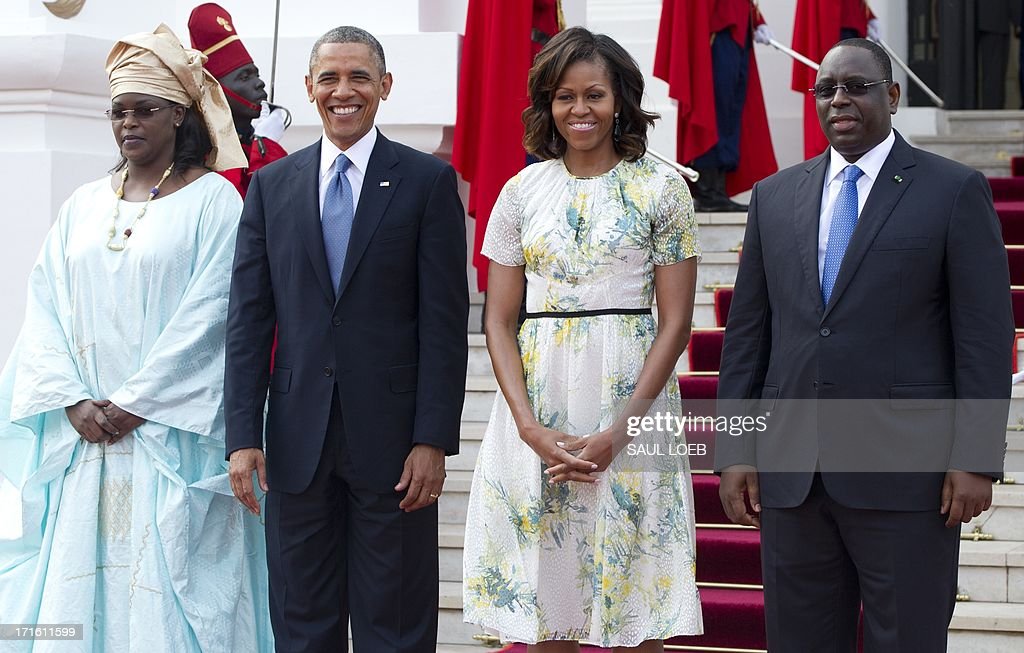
(355, 247)
(871, 326)
(994, 21)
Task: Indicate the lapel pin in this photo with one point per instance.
(898, 179)
(385, 184)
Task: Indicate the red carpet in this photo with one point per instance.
(728, 556)
(702, 459)
(723, 300)
(705, 350)
(1015, 258)
(1017, 299)
(1007, 189)
(732, 619)
(706, 502)
(697, 389)
(1011, 215)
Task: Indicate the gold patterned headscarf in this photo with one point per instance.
(158, 64)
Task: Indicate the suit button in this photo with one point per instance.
(825, 332)
(328, 371)
(336, 321)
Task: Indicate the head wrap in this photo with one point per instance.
(213, 33)
(158, 64)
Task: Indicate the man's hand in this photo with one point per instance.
(241, 465)
(763, 35)
(87, 418)
(737, 481)
(965, 495)
(122, 421)
(423, 477)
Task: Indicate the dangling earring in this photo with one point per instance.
(616, 132)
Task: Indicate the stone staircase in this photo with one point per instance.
(985, 140)
(991, 618)
(991, 568)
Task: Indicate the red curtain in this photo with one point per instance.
(497, 53)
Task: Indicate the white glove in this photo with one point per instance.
(271, 123)
(874, 30)
(763, 35)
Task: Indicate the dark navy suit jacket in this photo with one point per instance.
(394, 342)
(906, 372)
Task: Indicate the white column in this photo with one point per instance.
(55, 138)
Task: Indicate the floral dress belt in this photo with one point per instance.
(590, 313)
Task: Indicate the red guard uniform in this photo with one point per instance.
(258, 158)
(683, 59)
(212, 32)
(736, 16)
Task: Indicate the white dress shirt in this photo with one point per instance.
(870, 164)
(358, 154)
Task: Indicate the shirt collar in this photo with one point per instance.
(358, 154)
(870, 163)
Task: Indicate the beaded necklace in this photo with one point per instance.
(153, 192)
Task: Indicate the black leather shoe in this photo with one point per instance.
(709, 195)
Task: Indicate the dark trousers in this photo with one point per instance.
(337, 551)
(993, 55)
(822, 561)
(729, 66)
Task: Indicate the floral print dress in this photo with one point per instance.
(610, 563)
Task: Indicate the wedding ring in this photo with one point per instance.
(434, 496)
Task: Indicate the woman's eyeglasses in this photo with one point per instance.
(853, 89)
(142, 113)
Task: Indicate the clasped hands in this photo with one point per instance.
(101, 422)
(570, 458)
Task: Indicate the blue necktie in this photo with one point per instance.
(336, 221)
(844, 220)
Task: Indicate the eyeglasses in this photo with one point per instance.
(853, 89)
(142, 113)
